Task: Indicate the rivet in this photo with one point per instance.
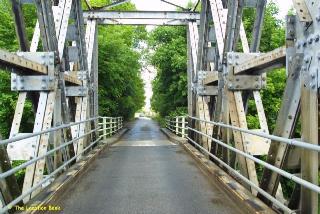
(306, 60)
(304, 44)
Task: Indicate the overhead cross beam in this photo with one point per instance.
(141, 17)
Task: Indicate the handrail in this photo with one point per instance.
(177, 125)
(246, 180)
(110, 126)
(174, 125)
(306, 184)
(292, 177)
(64, 126)
(288, 141)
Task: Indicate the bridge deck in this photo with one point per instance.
(145, 173)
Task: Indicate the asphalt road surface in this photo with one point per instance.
(145, 173)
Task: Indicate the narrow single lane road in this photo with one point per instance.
(145, 173)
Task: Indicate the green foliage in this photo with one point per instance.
(161, 120)
(273, 36)
(120, 84)
(170, 57)
(179, 111)
(273, 32)
(121, 90)
(271, 98)
(8, 41)
(19, 174)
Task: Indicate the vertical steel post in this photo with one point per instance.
(104, 124)
(57, 136)
(183, 129)
(177, 125)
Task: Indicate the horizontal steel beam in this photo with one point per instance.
(142, 17)
(263, 63)
(9, 61)
(155, 22)
(14, 63)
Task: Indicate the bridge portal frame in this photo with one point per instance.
(220, 83)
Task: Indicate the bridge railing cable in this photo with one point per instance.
(234, 172)
(107, 126)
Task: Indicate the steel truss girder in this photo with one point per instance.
(301, 96)
(223, 34)
(54, 27)
(142, 17)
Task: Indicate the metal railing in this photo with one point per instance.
(304, 183)
(108, 127)
(177, 125)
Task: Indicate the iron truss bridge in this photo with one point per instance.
(76, 161)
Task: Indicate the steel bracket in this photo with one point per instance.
(235, 58)
(207, 91)
(243, 82)
(82, 75)
(246, 82)
(76, 91)
(32, 83)
(202, 75)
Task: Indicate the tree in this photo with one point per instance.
(273, 36)
(170, 59)
(120, 84)
(121, 90)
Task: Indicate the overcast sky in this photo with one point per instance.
(284, 5)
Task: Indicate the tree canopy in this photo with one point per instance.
(170, 59)
(120, 85)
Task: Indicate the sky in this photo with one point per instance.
(148, 73)
(284, 5)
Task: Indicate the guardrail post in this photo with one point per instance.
(183, 125)
(109, 127)
(104, 124)
(177, 125)
(118, 124)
